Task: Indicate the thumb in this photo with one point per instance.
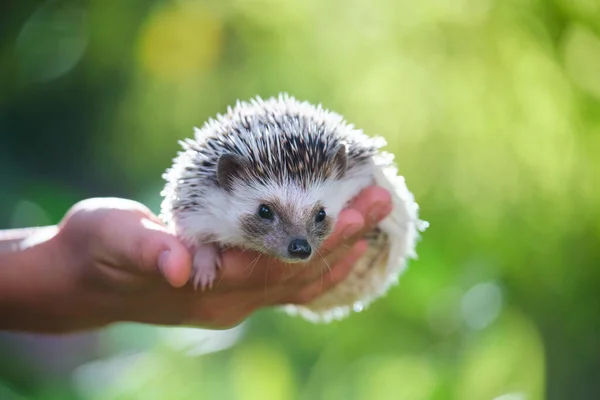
(149, 247)
(167, 254)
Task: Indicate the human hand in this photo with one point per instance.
(117, 262)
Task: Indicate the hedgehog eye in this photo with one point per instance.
(320, 216)
(265, 212)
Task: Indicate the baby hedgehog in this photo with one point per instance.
(273, 175)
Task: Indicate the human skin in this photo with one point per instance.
(112, 260)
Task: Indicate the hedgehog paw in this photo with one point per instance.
(205, 264)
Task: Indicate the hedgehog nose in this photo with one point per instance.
(299, 248)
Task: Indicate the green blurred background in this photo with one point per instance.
(492, 108)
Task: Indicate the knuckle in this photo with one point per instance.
(141, 249)
(146, 249)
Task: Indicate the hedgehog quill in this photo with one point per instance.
(272, 175)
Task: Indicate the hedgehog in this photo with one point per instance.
(272, 176)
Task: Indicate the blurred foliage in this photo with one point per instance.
(492, 108)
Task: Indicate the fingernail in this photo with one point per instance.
(162, 260)
(380, 211)
(351, 230)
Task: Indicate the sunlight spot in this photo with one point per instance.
(53, 40)
(481, 305)
(180, 42)
(29, 214)
(358, 306)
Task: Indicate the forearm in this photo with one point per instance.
(14, 239)
(30, 283)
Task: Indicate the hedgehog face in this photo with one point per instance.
(284, 198)
(285, 222)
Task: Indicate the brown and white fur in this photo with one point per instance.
(304, 164)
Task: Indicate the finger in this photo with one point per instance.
(373, 204)
(163, 252)
(249, 269)
(148, 247)
(349, 222)
(338, 273)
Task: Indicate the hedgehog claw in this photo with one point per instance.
(205, 264)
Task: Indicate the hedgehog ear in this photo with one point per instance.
(340, 160)
(228, 166)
